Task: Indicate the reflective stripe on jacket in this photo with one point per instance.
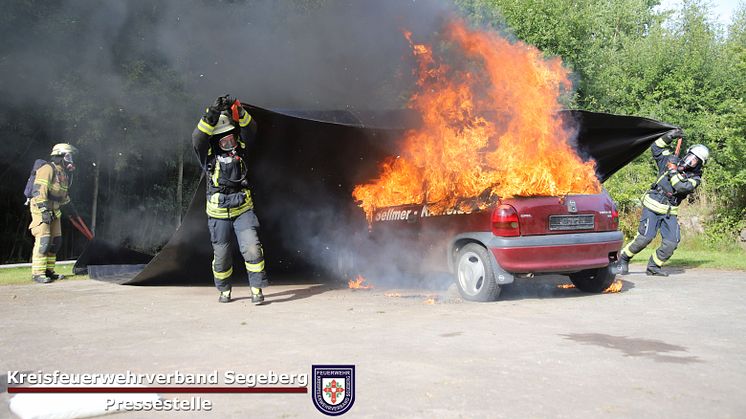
(670, 188)
(227, 196)
(50, 190)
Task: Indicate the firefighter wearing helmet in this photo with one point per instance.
(677, 179)
(220, 141)
(49, 193)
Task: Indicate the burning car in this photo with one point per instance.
(492, 184)
(486, 246)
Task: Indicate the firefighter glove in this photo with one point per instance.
(231, 101)
(211, 115)
(47, 217)
(221, 103)
(671, 135)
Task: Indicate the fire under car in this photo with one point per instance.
(487, 247)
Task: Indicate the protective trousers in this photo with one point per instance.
(47, 242)
(246, 229)
(650, 223)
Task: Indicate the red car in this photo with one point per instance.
(574, 235)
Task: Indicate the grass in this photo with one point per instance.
(21, 276)
(684, 257)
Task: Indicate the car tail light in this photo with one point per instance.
(614, 217)
(505, 221)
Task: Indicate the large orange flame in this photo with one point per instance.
(490, 128)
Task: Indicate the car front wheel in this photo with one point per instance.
(475, 277)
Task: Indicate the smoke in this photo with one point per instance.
(127, 81)
(297, 55)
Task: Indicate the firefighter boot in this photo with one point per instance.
(41, 279)
(257, 297)
(54, 276)
(225, 297)
(654, 269)
(623, 266)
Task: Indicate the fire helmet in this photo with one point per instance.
(62, 149)
(696, 156)
(700, 151)
(224, 125)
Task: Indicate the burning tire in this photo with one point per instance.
(475, 277)
(593, 280)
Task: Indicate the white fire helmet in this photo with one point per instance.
(702, 152)
(224, 124)
(62, 149)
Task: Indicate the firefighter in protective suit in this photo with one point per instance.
(677, 178)
(220, 142)
(49, 194)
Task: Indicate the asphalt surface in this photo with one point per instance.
(662, 347)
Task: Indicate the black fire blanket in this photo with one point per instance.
(99, 252)
(303, 168)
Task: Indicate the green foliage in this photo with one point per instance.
(685, 257)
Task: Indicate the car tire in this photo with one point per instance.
(475, 277)
(593, 280)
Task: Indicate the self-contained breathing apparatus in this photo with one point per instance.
(226, 150)
(228, 185)
(679, 170)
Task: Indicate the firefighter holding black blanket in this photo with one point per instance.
(677, 178)
(220, 141)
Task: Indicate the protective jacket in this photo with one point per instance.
(672, 186)
(50, 190)
(228, 194)
(49, 193)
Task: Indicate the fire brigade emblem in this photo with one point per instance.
(333, 388)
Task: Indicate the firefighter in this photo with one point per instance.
(677, 178)
(49, 193)
(220, 141)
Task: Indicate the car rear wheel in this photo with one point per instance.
(593, 280)
(475, 277)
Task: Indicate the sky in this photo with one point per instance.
(724, 9)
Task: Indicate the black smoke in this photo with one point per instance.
(126, 82)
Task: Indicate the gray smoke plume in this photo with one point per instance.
(127, 81)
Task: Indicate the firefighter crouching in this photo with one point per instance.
(677, 178)
(220, 141)
(48, 195)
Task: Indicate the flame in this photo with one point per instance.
(430, 301)
(490, 129)
(359, 283)
(565, 286)
(616, 286)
